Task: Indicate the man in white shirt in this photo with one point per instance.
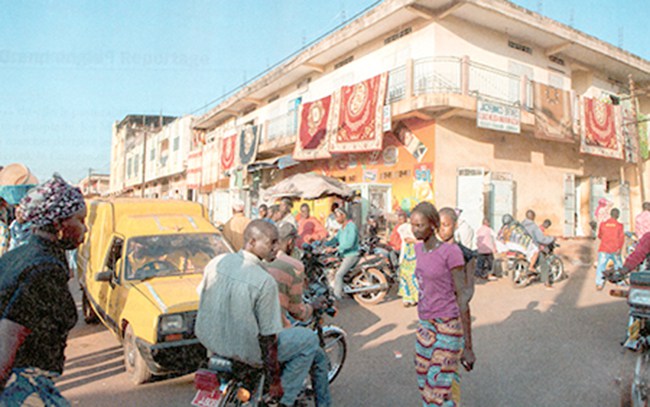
(239, 315)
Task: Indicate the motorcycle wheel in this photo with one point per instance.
(519, 273)
(336, 349)
(370, 277)
(634, 385)
(556, 268)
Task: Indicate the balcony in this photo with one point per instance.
(429, 88)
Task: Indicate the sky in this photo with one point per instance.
(70, 69)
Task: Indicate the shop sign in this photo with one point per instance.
(498, 116)
(386, 120)
(370, 175)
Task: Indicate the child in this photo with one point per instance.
(610, 233)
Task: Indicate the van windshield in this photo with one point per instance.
(167, 255)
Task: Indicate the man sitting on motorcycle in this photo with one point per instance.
(239, 315)
(347, 239)
(513, 237)
(541, 240)
(289, 274)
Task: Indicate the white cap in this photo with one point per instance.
(238, 205)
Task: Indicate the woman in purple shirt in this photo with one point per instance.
(440, 344)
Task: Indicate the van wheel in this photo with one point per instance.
(88, 313)
(135, 365)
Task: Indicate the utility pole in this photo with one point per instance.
(144, 162)
(90, 172)
(639, 164)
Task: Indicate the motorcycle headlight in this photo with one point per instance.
(639, 297)
(172, 323)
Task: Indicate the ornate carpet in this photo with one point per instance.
(359, 116)
(599, 135)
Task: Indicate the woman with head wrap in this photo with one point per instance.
(37, 308)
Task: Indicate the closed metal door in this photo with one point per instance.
(569, 205)
(469, 195)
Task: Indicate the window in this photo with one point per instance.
(128, 167)
(136, 160)
(398, 35)
(113, 262)
(520, 47)
(344, 62)
(152, 156)
(177, 142)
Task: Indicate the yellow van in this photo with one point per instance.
(138, 270)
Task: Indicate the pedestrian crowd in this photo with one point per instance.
(256, 292)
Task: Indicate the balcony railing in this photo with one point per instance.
(437, 75)
(281, 126)
(495, 84)
(434, 75)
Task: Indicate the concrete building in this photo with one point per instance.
(127, 152)
(95, 185)
(485, 108)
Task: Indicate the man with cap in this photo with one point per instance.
(233, 230)
(285, 212)
(347, 240)
(289, 274)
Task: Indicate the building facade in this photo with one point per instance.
(475, 104)
(128, 146)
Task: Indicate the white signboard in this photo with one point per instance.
(387, 118)
(497, 116)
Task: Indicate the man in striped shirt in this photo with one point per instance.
(289, 274)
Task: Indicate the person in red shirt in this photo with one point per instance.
(309, 228)
(395, 240)
(611, 235)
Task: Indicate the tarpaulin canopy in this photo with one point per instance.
(308, 186)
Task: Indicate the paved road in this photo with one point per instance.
(535, 347)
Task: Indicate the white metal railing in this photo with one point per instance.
(396, 85)
(437, 75)
(493, 83)
(281, 126)
(529, 96)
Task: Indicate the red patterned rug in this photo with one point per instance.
(314, 128)
(599, 135)
(552, 108)
(228, 152)
(359, 116)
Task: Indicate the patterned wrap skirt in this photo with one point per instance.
(438, 348)
(31, 387)
(408, 284)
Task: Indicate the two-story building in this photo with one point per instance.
(128, 147)
(476, 104)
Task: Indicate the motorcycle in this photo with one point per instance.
(518, 266)
(635, 385)
(372, 276)
(225, 382)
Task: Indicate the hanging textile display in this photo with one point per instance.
(628, 130)
(599, 136)
(552, 109)
(249, 140)
(228, 152)
(359, 116)
(313, 130)
(194, 166)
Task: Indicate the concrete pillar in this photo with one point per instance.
(464, 75)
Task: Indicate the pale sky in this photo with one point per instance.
(69, 69)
